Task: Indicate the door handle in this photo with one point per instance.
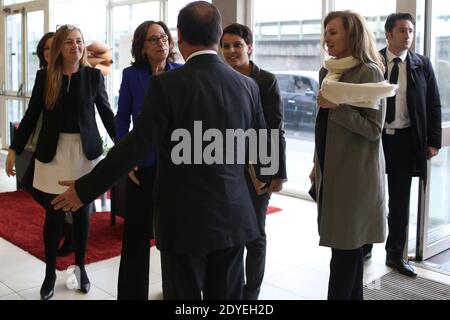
(2, 88)
(20, 91)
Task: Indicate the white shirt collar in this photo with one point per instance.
(390, 56)
(197, 53)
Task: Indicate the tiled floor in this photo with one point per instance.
(296, 269)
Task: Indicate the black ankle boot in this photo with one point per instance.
(48, 287)
(85, 285)
(67, 246)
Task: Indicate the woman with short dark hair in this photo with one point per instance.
(237, 46)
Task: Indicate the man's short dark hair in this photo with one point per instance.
(240, 30)
(394, 17)
(199, 23)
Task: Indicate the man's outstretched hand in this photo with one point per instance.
(69, 200)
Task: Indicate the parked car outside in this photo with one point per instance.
(299, 91)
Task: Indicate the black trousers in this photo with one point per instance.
(138, 230)
(53, 228)
(255, 261)
(216, 275)
(400, 162)
(346, 275)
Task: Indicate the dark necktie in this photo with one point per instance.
(390, 111)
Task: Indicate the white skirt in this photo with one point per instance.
(69, 163)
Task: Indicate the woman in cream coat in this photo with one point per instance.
(349, 161)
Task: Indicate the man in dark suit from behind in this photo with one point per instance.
(203, 212)
(412, 132)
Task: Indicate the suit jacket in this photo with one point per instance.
(91, 90)
(131, 95)
(198, 207)
(424, 107)
(273, 111)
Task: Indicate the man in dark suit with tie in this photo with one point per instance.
(412, 133)
(203, 212)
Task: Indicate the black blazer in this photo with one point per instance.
(273, 111)
(198, 207)
(92, 90)
(424, 106)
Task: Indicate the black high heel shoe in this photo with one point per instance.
(48, 287)
(85, 285)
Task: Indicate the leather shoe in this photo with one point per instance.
(401, 265)
(48, 287)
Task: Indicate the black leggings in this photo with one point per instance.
(53, 228)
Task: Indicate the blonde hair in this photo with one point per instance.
(361, 41)
(56, 64)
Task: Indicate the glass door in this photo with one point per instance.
(125, 19)
(433, 228)
(24, 27)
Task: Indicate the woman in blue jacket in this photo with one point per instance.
(153, 53)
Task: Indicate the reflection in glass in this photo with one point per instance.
(174, 6)
(375, 15)
(35, 31)
(287, 43)
(125, 19)
(88, 15)
(439, 205)
(13, 52)
(413, 210)
(8, 2)
(440, 53)
(14, 113)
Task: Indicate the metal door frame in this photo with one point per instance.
(21, 94)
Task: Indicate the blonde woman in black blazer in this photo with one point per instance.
(69, 142)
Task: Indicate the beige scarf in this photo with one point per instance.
(363, 95)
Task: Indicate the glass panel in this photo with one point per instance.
(88, 15)
(438, 227)
(8, 2)
(413, 210)
(125, 20)
(13, 52)
(14, 113)
(35, 31)
(419, 45)
(375, 14)
(287, 43)
(440, 52)
(174, 6)
(439, 208)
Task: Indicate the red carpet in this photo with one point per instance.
(22, 221)
(271, 210)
